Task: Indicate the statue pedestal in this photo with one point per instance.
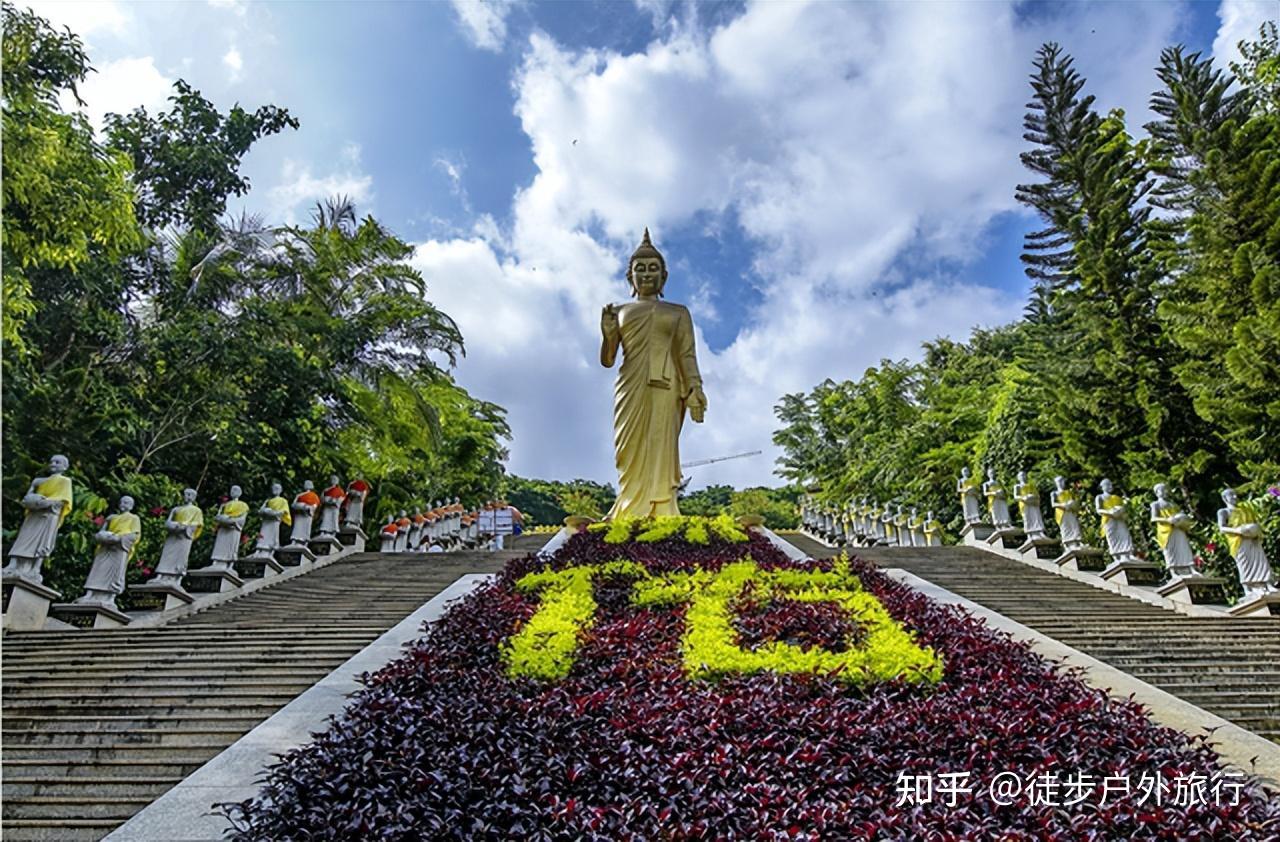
(1134, 573)
(1267, 605)
(257, 567)
(387, 544)
(26, 603)
(1008, 537)
(89, 615)
(1086, 559)
(354, 537)
(155, 597)
(976, 534)
(324, 545)
(1040, 549)
(1196, 590)
(293, 555)
(212, 579)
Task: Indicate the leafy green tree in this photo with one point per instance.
(66, 198)
(187, 160)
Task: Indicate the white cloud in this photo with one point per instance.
(845, 138)
(1239, 21)
(84, 17)
(299, 189)
(484, 22)
(234, 63)
(121, 86)
(236, 7)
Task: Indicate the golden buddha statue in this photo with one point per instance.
(657, 381)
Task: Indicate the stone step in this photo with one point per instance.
(188, 735)
(15, 725)
(21, 769)
(55, 754)
(118, 807)
(143, 697)
(310, 668)
(37, 711)
(57, 829)
(161, 686)
(146, 787)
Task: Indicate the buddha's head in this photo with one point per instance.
(333, 480)
(647, 270)
(276, 489)
(964, 472)
(1022, 476)
(235, 492)
(1160, 490)
(1229, 497)
(58, 464)
(126, 503)
(308, 486)
(1106, 486)
(189, 496)
(1060, 483)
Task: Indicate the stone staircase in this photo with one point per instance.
(1228, 666)
(97, 724)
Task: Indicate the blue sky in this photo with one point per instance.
(831, 183)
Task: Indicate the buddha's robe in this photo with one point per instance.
(658, 372)
(39, 530)
(226, 538)
(109, 562)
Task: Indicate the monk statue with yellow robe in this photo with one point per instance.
(116, 540)
(657, 382)
(48, 500)
(184, 525)
(274, 512)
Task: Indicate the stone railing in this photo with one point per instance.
(322, 527)
(864, 522)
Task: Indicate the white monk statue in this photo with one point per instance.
(1115, 522)
(1240, 524)
(273, 513)
(932, 530)
(877, 522)
(1028, 499)
(331, 507)
(389, 533)
(902, 523)
(887, 526)
(184, 525)
(406, 526)
(967, 488)
(1065, 508)
(916, 524)
(997, 501)
(1172, 527)
(228, 523)
(304, 510)
(116, 541)
(47, 503)
(357, 493)
(657, 383)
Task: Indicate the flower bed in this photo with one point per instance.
(567, 700)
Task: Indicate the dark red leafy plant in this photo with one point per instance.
(442, 744)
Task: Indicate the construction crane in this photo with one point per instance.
(698, 462)
(684, 483)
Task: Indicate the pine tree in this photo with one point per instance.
(1219, 161)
